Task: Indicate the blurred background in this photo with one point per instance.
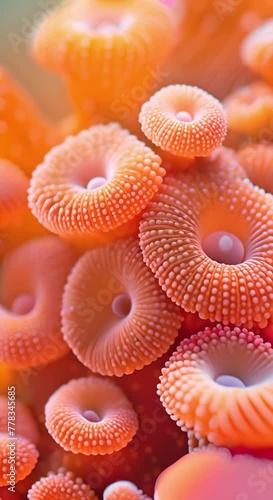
(18, 18)
(207, 52)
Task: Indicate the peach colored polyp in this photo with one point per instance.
(213, 474)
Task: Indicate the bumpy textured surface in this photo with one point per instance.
(26, 457)
(115, 426)
(226, 415)
(203, 131)
(61, 198)
(61, 486)
(33, 274)
(124, 490)
(188, 208)
(105, 341)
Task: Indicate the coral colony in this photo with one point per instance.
(136, 244)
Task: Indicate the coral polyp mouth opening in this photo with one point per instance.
(96, 183)
(91, 416)
(102, 22)
(184, 116)
(23, 304)
(121, 305)
(229, 381)
(102, 27)
(136, 238)
(90, 173)
(224, 247)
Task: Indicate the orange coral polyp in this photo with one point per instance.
(105, 50)
(184, 120)
(213, 473)
(13, 192)
(26, 458)
(257, 50)
(257, 160)
(61, 486)
(68, 411)
(36, 272)
(123, 490)
(218, 383)
(249, 109)
(196, 441)
(115, 317)
(61, 194)
(113, 34)
(209, 199)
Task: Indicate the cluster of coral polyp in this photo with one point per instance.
(136, 250)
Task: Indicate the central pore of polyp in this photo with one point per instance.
(22, 304)
(229, 381)
(91, 416)
(224, 247)
(90, 174)
(121, 305)
(96, 183)
(184, 116)
(104, 22)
